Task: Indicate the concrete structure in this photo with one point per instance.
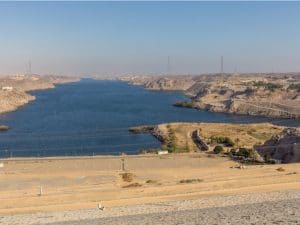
(7, 88)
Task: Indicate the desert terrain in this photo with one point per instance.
(67, 184)
(272, 95)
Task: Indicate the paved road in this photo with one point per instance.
(283, 212)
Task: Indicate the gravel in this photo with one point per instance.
(282, 212)
(281, 207)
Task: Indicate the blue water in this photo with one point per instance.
(92, 117)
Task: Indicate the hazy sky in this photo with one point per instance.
(104, 38)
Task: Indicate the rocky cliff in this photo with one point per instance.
(284, 147)
(273, 95)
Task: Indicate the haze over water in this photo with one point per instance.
(92, 117)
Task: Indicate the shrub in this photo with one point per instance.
(218, 149)
(267, 158)
(294, 87)
(222, 140)
(232, 152)
(267, 86)
(133, 185)
(127, 177)
(280, 169)
(246, 152)
(189, 181)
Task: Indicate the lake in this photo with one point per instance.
(92, 117)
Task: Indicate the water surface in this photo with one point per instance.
(92, 117)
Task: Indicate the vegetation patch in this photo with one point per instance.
(127, 177)
(294, 87)
(190, 181)
(170, 145)
(218, 149)
(292, 173)
(133, 185)
(243, 152)
(221, 140)
(151, 182)
(267, 86)
(280, 169)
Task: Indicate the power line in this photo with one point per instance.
(29, 71)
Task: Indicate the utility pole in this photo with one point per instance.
(123, 164)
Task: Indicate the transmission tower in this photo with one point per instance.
(29, 71)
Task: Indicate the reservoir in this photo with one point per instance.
(92, 117)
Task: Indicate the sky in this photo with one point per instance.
(122, 38)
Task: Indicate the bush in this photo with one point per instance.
(267, 158)
(267, 86)
(246, 152)
(127, 177)
(188, 181)
(232, 152)
(218, 149)
(222, 140)
(294, 87)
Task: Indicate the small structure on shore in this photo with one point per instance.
(162, 152)
(7, 88)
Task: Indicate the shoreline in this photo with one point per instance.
(21, 95)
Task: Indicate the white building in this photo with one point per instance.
(7, 88)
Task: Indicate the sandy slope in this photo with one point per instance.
(81, 183)
(279, 207)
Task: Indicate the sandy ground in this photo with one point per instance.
(82, 183)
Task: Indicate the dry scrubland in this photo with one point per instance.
(179, 135)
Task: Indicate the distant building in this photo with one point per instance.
(7, 88)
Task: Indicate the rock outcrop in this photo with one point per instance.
(284, 147)
(14, 89)
(272, 95)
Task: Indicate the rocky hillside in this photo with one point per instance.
(14, 89)
(273, 95)
(284, 147)
(174, 83)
